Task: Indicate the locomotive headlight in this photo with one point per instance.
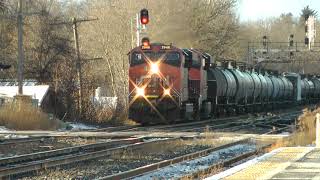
(140, 91)
(166, 92)
(154, 68)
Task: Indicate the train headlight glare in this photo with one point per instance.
(154, 68)
(166, 92)
(140, 91)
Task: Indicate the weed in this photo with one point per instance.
(27, 118)
(306, 132)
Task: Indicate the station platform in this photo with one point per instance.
(288, 163)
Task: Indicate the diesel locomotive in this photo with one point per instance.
(168, 84)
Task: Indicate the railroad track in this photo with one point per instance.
(23, 140)
(139, 172)
(12, 166)
(280, 122)
(217, 123)
(229, 124)
(115, 129)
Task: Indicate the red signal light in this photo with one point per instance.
(145, 42)
(144, 16)
(144, 20)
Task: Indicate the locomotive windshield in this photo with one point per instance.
(172, 58)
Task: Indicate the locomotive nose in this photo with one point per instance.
(153, 88)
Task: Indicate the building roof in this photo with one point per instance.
(36, 91)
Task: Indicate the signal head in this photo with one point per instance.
(144, 16)
(145, 42)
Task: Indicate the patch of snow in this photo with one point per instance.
(285, 133)
(179, 170)
(14, 136)
(80, 126)
(4, 129)
(106, 102)
(311, 145)
(243, 165)
(154, 139)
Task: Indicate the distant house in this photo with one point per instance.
(8, 89)
(102, 101)
(42, 95)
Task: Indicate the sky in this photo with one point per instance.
(250, 10)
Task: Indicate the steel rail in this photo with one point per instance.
(114, 129)
(71, 158)
(155, 166)
(63, 151)
(22, 140)
(227, 163)
(239, 123)
(259, 122)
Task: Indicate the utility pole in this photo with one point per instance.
(20, 48)
(318, 130)
(138, 27)
(78, 63)
(131, 31)
(74, 23)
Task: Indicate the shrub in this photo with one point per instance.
(306, 132)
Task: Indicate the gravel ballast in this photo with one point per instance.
(126, 161)
(185, 168)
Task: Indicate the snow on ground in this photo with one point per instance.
(242, 166)
(154, 139)
(4, 129)
(14, 136)
(176, 171)
(285, 133)
(80, 126)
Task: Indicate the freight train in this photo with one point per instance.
(168, 84)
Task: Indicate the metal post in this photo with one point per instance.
(131, 31)
(78, 65)
(20, 48)
(318, 131)
(138, 29)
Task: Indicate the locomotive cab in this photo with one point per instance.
(156, 83)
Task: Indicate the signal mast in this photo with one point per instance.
(142, 19)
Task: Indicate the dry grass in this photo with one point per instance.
(165, 147)
(305, 134)
(204, 173)
(26, 117)
(160, 147)
(111, 116)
